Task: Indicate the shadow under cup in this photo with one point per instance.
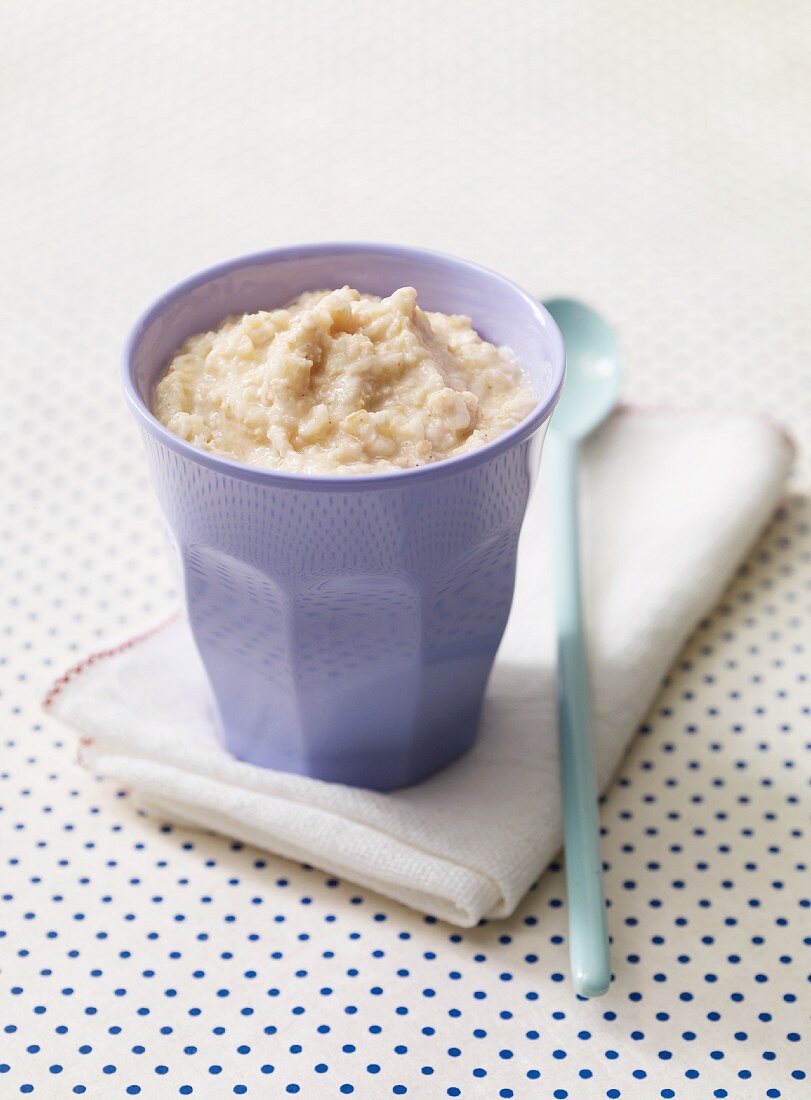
(347, 625)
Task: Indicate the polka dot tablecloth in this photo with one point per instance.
(652, 160)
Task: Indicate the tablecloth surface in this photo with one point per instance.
(653, 161)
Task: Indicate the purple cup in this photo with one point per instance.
(347, 625)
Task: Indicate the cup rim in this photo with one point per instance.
(337, 482)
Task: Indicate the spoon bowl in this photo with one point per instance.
(594, 368)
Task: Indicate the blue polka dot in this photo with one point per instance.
(178, 930)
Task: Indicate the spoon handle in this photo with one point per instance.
(588, 934)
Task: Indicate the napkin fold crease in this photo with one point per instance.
(670, 503)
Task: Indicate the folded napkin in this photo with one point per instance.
(670, 503)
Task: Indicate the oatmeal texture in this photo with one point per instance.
(340, 382)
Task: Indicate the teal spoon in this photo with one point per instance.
(591, 390)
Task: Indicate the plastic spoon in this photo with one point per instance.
(593, 377)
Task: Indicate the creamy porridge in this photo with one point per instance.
(340, 382)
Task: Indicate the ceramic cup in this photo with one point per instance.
(347, 625)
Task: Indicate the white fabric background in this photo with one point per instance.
(652, 159)
(469, 842)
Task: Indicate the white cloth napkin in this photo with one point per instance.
(670, 503)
